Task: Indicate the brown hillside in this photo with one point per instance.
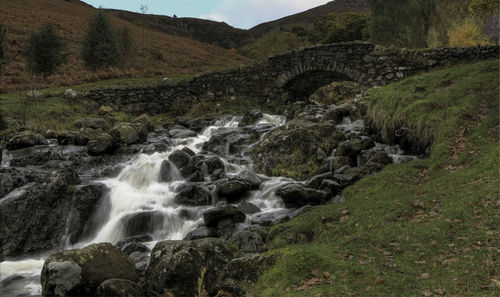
(174, 54)
(306, 19)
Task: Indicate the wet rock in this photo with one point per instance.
(182, 121)
(176, 265)
(100, 144)
(351, 148)
(26, 231)
(141, 222)
(80, 272)
(251, 178)
(248, 208)
(145, 120)
(296, 149)
(232, 188)
(132, 247)
(250, 240)
(119, 288)
(337, 113)
(193, 194)
(182, 133)
(297, 195)
(50, 134)
(193, 173)
(250, 117)
(227, 141)
(201, 232)
(180, 159)
(199, 124)
(339, 162)
(213, 216)
(25, 139)
(241, 273)
(135, 239)
(93, 123)
(272, 217)
(84, 202)
(379, 157)
(315, 181)
(12, 178)
(168, 171)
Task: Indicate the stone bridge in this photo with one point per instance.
(291, 76)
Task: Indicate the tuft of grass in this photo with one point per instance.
(428, 227)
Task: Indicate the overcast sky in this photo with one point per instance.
(238, 13)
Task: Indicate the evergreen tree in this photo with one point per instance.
(45, 51)
(100, 46)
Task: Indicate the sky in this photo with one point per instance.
(237, 13)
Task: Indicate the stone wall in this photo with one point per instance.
(273, 79)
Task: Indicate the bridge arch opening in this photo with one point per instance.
(302, 86)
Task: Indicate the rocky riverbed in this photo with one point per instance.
(131, 210)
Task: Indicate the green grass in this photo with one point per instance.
(428, 227)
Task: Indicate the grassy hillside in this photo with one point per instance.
(306, 19)
(166, 54)
(426, 228)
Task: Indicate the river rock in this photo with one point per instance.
(250, 240)
(141, 222)
(241, 273)
(93, 123)
(84, 202)
(128, 133)
(250, 117)
(179, 132)
(232, 188)
(228, 141)
(351, 148)
(80, 272)
(248, 208)
(193, 194)
(146, 121)
(102, 143)
(168, 171)
(25, 139)
(201, 232)
(297, 195)
(213, 216)
(175, 265)
(67, 137)
(135, 239)
(36, 220)
(341, 161)
(180, 159)
(337, 113)
(379, 157)
(296, 149)
(119, 288)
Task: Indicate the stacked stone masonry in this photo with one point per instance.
(365, 63)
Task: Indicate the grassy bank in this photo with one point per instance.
(428, 227)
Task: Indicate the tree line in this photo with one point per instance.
(102, 47)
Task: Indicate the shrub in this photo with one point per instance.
(45, 51)
(467, 33)
(125, 45)
(100, 47)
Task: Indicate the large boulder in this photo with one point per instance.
(80, 272)
(67, 137)
(146, 121)
(119, 288)
(351, 148)
(232, 188)
(100, 144)
(213, 216)
(128, 133)
(175, 265)
(241, 273)
(36, 220)
(297, 195)
(296, 149)
(193, 194)
(25, 139)
(250, 240)
(337, 113)
(180, 159)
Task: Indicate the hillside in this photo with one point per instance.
(172, 54)
(216, 33)
(306, 19)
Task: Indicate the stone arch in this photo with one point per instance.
(310, 74)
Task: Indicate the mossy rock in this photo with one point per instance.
(296, 149)
(80, 272)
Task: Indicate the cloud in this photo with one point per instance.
(248, 13)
